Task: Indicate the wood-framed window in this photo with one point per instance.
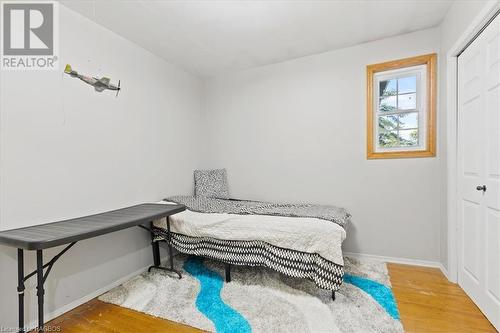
(401, 108)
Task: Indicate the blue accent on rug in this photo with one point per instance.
(379, 292)
(209, 302)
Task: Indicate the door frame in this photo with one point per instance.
(489, 11)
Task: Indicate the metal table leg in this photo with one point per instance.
(20, 288)
(156, 251)
(40, 276)
(40, 291)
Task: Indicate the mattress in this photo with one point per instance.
(296, 246)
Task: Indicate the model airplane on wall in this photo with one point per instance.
(98, 84)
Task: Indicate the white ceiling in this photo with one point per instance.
(212, 37)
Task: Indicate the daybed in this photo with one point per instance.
(302, 241)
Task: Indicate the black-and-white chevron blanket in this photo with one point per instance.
(245, 207)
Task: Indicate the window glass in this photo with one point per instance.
(388, 104)
(407, 101)
(387, 123)
(388, 139)
(407, 84)
(408, 138)
(388, 88)
(408, 120)
(399, 128)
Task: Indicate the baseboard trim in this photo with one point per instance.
(404, 261)
(70, 306)
(445, 272)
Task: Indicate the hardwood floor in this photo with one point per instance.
(99, 317)
(427, 302)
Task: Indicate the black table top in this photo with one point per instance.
(64, 232)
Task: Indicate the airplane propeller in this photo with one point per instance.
(118, 90)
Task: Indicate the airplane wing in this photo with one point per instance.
(104, 80)
(99, 88)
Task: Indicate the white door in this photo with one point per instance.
(479, 171)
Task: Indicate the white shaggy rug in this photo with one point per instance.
(261, 300)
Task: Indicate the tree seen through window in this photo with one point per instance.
(397, 116)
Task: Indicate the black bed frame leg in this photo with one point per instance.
(156, 251)
(333, 295)
(20, 288)
(228, 272)
(169, 243)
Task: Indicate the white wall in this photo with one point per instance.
(67, 151)
(296, 131)
(457, 20)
